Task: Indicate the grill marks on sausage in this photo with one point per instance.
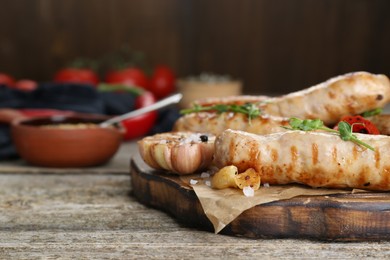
(385, 178)
(355, 153)
(215, 123)
(334, 155)
(377, 159)
(313, 158)
(274, 155)
(332, 95)
(314, 151)
(294, 154)
(294, 160)
(363, 176)
(253, 153)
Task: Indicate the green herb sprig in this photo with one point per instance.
(104, 87)
(249, 109)
(344, 129)
(373, 112)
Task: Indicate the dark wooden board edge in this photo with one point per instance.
(341, 217)
(166, 192)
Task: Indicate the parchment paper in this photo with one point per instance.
(223, 206)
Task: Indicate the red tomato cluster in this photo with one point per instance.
(21, 84)
(6, 79)
(140, 125)
(361, 125)
(129, 77)
(76, 75)
(161, 83)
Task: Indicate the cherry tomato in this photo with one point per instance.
(6, 80)
(140, 125)
(132, 77)
(26, 84)
(76, 75)
(361, 125)
(162, 82)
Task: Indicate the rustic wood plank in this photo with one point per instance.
(176, 245)
(273, 46)
(93, 216)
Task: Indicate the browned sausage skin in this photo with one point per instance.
(215, 123)
(238, 100)
(382, 122)
(316, 159)
(348, 94)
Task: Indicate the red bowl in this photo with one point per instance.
(44, 141)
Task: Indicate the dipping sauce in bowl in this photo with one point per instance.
(65, 141)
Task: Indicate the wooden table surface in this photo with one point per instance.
(90, 214)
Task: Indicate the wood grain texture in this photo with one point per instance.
(346, 217)
(274, 46)
(94, 216)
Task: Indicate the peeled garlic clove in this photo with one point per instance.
(249, 178)
(225, 178)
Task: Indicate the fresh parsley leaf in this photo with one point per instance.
(373, 112)
(249, 109)
(344, 129)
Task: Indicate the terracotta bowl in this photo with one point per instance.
(65, 141)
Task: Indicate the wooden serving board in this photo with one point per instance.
(342, 217)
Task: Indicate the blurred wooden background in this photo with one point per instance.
(274, 46)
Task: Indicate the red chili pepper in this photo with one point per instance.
(146, 98)
(361, 125)
(140, 125)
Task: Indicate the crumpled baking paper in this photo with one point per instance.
(223, 206)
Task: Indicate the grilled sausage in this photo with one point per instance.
(348, 94)
(382, 122)
(316, 159)
(238, 100)
(351, 93)
(214, 123)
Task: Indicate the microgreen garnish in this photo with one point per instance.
(344, 129)
(249, 109)
(373, 112)
(104, 87)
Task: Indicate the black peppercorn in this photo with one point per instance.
(204, 138)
